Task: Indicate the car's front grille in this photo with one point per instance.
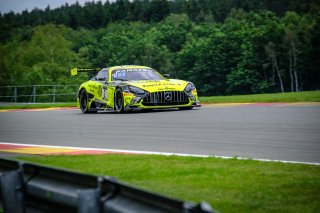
(165, 98)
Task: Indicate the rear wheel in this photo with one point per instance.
(84, 102)
(118, 101)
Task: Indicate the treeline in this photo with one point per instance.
(248, 51)
(94, 15)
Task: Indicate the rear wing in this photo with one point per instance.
(74, 71)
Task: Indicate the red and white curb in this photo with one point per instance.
(69, 150)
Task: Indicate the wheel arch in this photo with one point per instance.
(90, 97)
(80, 90)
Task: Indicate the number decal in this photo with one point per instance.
(104, 93)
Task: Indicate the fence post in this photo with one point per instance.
(15, 94)
(34, 93)
(77, 88)
(54, 94)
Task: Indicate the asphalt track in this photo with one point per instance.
(264, 131)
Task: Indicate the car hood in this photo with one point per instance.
(160, 85)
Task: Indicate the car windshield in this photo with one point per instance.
(135, 74)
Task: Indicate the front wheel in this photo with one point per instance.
(118, 101)
(84, 102)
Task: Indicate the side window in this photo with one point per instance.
(103, 75)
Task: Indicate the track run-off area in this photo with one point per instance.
(288, 132)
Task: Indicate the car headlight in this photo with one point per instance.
(189, 87)
(136, 90)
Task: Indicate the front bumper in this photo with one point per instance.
(161, 100)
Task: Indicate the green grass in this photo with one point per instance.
(38, 105)
(228, 185)
(312, 96)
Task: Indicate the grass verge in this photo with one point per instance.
(228, 185)
(38, 105)
(312, 96)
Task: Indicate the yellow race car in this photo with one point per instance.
(125, 88)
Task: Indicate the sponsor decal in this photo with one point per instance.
(159, 84)
(128, 94)
(122, 72)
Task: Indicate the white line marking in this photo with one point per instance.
(159, 153)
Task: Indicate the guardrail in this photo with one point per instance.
(32, 188)
(38, 93)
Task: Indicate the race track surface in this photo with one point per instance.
(265, 131)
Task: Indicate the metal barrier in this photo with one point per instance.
(38, 93)
(31, 188)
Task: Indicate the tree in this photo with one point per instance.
(272, 54)
(159, 9)
(291, 40)
(229, 47)
(310, 77)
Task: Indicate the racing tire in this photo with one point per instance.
(185, 108)
(84, 102)
(118, 101)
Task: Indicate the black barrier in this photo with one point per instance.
(31, 188)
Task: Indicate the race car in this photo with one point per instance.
(131, 87)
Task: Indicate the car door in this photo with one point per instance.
(101, 78)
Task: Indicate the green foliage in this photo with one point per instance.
(225, 48)
(44, 59)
